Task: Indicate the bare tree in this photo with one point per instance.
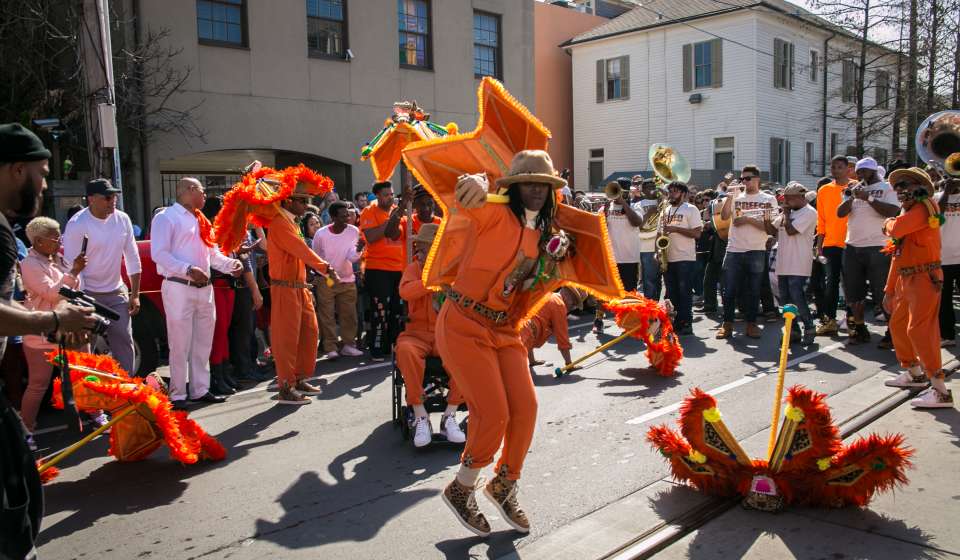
(912, 83)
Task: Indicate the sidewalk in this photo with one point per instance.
(916, 521)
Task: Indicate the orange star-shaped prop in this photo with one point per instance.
(506, 127)
(408, 125)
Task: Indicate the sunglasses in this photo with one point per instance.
(746, 178)
(902, 185)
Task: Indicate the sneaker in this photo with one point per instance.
(753, 330)
(332, 355)
(350, 351)
(503, 493)
(932, 398)
(377, 357)
(906, 380)
(289, 395)
(771, 317)
(948, 343)
(422, 432)
(32, 443)
(725, 331)
(451, 430)
(461, 500)
(886, 343)
(828, 328)
(307, 389)
(862, 334)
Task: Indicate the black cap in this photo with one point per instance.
(19, 144)
(101, 186)
(624, 183)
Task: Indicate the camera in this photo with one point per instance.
(103, 315)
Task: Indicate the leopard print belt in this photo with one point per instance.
(496, 317)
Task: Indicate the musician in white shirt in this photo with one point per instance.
(110, 242)
(183, 257)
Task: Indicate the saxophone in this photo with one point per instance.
(663, 240)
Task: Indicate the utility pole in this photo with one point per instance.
(108, 111)
(912, 86)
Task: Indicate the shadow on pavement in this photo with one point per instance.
(354, 384)
(632, 377)
(498, 544)
(374, 483)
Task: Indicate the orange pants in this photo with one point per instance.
(489, 364)
(293, 333)
(413, 348)
(915, 325)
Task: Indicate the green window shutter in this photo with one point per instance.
(716, 62)
(786, 158)
(791, 65)
(601, 70)
(777, 63)
(687, 67)
(625, 77)
(774, 160)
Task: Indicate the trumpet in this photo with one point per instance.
(613, 191)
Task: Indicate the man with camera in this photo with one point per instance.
(23, 169)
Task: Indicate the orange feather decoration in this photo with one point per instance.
(632, 311)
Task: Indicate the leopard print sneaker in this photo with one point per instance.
(503, 493)
(461, 500)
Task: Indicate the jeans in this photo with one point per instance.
(650, 274)
(832, 271)
(948, 320)
(793, 290)
(240, 333)
(766, 290)
(679, 275)
(713, 274)
(742, 275)
(384, 289)
(699, 269)
(861, 264)
(629, 275)
(120, 333)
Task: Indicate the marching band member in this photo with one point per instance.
(480, 348)
(949, 203)
(551, 320)
(418, 341)
(912, 293)
(683, 225)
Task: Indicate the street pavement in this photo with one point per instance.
(336, 480)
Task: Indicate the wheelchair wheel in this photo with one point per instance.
(406, 418)
(397, 397)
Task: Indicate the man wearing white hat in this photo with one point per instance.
(866, 205)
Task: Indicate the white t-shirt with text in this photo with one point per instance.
(624, 237)
(682, 248)
(795, 252)
(864, 224)
(950, 232)
(747, 237)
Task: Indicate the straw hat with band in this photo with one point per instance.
(531, 166)
(577, 294)
(912, 174)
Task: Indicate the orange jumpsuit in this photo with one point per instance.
(418, 340)
(914, 282)
(488, 360)
(551, 319)
(293, 321)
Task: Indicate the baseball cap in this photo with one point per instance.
(101, 186)
(867, 163)
(793, 187)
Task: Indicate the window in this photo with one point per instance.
(613, 79)
(808, 156)
(595, 168)
(883, 90)
(486, 45)
(703, 65)
(222, 22)
(834, 140)
(814, 66)
(848, 80)
(779, 160)
(326, 29)
(723, 153)
(414, 18)
(782, 64)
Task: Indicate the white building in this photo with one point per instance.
(726, 83)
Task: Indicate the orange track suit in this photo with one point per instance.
(551, 319)
(488, 360)
(418, 339)
(914, 282)
(293, 320)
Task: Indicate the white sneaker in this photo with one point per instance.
(932, 398)
(350, 351)
(422, 432)
(332, 355)
(451, 430)
(907, 381)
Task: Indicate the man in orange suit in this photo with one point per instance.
(551, 320)
(912, 294)
(293, 321)
(418, 341)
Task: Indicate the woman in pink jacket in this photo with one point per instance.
(44, 272)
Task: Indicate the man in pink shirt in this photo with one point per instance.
(340, 245)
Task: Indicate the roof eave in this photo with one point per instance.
(573, 42)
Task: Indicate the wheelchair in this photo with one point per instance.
(436, 384)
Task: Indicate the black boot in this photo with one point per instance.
(228, 378)
(217, 384)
